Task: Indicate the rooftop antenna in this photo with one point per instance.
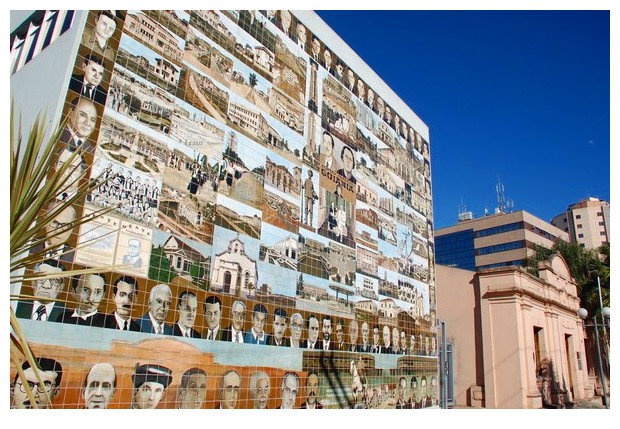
(501, 198)
(463, 213)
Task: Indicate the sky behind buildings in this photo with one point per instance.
(523, 96)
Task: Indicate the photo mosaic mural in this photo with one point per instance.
(262, 195)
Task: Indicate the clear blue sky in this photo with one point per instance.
(519, 94)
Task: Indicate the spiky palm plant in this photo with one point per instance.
(37, 181)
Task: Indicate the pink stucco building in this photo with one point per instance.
(505, 323)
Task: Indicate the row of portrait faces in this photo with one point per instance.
(244, 322)
(320, 54)
(103, 387)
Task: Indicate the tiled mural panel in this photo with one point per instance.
(262, 195)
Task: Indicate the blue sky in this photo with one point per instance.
(523, 95)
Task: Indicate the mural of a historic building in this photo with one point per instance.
(266, 195)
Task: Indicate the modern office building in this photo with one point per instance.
(209, 263)
(496, 240)
(587, 222)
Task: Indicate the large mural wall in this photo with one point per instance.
(270, 243)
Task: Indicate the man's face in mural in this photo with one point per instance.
(423, 387)
(104, 27)
(433, 387)
(386, 336)
(193, 395)
(327, 147)
(93, 72)
(312, 388)
(229, 392)
(160, 304)
(380, 107)
(327, 329)
(297, 324)
(260, 394)
(18, 392)
(83, 118)
(375, 336)
(60, 223)
(402, 389)
(46, 289)
(365, 333)
(313, 329)
(100, 386)
(89, 293)
(290, 389)
(238, 316)
(124, 298)
(353, 332)
(188, 309)
(258, 322)
(403, 340)
(213, 314)
(279, 327)
(148, 395)
(339, 333)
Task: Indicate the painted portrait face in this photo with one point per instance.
(289, 392)
(18, 393)
(388, 114)
(133, 247)
(104, 27)
(83, 117)
(351, 77)
(213, 314)
(296, 327)
(339, 70)
(316, 46)
(402, 389)
(93, 73)
(260, 394)
(339, 333)
(375, 336)
(238, 316)
(279, 327)
(423, 387)
(386, 335)
(148, 395)
(47, 289)
(258, 322)
(348, 160)
(327, 145)
(285, 16)
(60, 222)
(160, 304)
(312, 388)
(193, 395)
(353, 332)
(365, 332)
(89, 292)
(433, 386)
(403, 340)
(327, 55)
(301, 33)
(395, 336)
(380, 107)
(124, 298)
(313, 329)
(327, 329)
(370, 97)
(100, 387)
(188, 309)
(360, 88)
(229, 393)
